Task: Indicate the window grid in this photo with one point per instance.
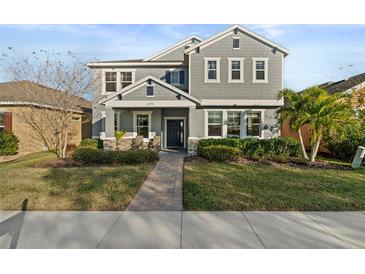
(235, 70)
(233, 124)
(253, 124)
(110, 81)
(212, 70)
(125, 78)
(142, 125)
(215, 123)
(260, 70)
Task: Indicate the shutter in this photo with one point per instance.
(8, 121)
(182, 77)
(168, 77)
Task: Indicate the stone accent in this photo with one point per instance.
(109, 144)
(125, 143)
(193, 146)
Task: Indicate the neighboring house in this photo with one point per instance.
(223, 86)
(354, 85)
(15, 102)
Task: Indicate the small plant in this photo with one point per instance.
(118, 134)
(9, 143)
(220, 153)
(88, 142)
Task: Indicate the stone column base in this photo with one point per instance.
(109, 144)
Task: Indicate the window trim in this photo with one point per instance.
(218, 60)
(119, 84)
(149, 113)
(207, 123)
(266, 74)
(239, 42)
(230, 80)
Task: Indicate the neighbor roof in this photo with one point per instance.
(262, 39)
(343, 85)
(14, 93)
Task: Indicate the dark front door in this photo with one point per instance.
(175, 133)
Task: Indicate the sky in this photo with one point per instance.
(318, 53)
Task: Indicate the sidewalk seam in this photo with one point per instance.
(109, 230)
(244, 216)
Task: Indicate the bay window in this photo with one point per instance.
(253, 123)
(215, 123)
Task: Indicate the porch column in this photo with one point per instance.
(109, 123)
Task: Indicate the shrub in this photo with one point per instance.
(220, 153)
(9, 143)
(91, 155)
(88, 142)
(257, 148)
(345, 147)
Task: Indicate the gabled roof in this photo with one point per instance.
(142, 81)
(135, 63)
(21, 92)
(344, 85)
(173, 47)
(216, 37)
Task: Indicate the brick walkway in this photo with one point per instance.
(162, 190)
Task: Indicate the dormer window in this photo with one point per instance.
(236, 42)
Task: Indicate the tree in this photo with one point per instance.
(118, 134)
(54, 84)
(325, 114)
(291, 112)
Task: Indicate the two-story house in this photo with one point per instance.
(221, 87)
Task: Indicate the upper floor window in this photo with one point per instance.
(126, 78)
(236, 42)
(110, 81)
(150, 91)
(215, 123)
(235, 70)
(260, 70)
(212, 69)
(175, 77)
(253, 124)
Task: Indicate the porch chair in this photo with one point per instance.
(137, 142)
(155, 143)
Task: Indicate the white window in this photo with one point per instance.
(142, 125)
(126, 78)
(235, 70)
(233, 124)
(260, 70)
(110, 81)
(2, 122)
(253, 122)
(215, 123)
(236, 42)
(212, 70)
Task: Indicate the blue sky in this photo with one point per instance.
(318, 53)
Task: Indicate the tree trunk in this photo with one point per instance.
(314, 150)
(65, 141)
(304, 153)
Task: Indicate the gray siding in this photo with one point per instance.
(176, 55)
(249, 47)
(160, 93)
(196, 120)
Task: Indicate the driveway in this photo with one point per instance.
(182, 229)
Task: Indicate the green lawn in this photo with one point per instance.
(232, 186)
(76, 188)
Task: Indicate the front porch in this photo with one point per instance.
(170, 124)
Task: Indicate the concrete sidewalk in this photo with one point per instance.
(186, 229)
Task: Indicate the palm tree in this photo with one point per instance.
(325, 114)
(292, 113)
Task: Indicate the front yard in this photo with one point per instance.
(75, 188)
(256, 186)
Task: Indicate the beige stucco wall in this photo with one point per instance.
(29, 140)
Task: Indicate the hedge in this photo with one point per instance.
(9, 143)
(89, 142)
(92, 155)
(257, 148)
(220, 153)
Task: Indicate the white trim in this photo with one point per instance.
(227, 32)
(134, 64)
(239, 41)
(142, 81)
(218, 60)
(242, 60)
(243, 122)
(165, 123)
(149, 103)
(266, 62)
(189, 71)
(118, 80)
(173, 47)
(246, 103)
(150, 133)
